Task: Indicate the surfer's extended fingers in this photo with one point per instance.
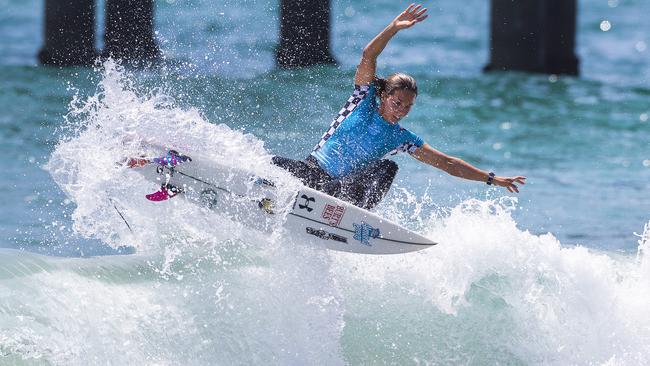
(417, 13)
(413, 14)
(519, 179)
(509, 182)
(420, 12)
(511, 187)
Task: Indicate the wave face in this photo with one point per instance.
(201, 289)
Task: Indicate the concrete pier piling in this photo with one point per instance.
(304, 33)
(69, 33)
(526, 35)
(129, 31)
(533, 36)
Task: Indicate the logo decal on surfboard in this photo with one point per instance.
(325, 235)
(333, 214)
(364, 232)
(305, 205)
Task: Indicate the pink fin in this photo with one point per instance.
(161, 195)
(166, 192)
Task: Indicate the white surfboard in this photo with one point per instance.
(313, 217)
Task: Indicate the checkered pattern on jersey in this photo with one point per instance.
(406, 147)
(360, 92)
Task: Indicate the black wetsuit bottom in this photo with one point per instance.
(364, 188)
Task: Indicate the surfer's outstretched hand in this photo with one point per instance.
(413, 14)
(509, 182)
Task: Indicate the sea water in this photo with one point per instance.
(557, 274)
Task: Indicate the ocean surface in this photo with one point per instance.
(555, 275)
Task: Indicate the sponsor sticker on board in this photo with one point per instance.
(305, 201)
(364, 232)
(325, 235)
(333, 214)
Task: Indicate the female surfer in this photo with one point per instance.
(348, 162)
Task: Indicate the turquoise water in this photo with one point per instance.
(553, 275)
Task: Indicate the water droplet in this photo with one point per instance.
(643, 117)
(497, 146)
(641, 46)
(605, 25)
(612, 3)
(552, 78)
(506, 126)
(646, 163)
(349, 11)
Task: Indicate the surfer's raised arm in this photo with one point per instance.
(459, 168)
(367, 66)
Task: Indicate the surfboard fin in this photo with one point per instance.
(166, 192)
(137, 162)
(171, 159)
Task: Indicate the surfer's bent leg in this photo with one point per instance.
(308, 171)
(367, 187)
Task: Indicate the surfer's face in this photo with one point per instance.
(396, 105)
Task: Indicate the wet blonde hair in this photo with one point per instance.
(397, 81)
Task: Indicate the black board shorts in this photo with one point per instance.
(364, 188)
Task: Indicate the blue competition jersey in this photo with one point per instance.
(360, 136)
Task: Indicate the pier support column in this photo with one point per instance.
(304, 33)
(533, 36)
(69, 33)
(129, 33)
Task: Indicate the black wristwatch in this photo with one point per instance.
(490, 179)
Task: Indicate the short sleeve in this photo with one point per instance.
(415, 140)
(410, 143)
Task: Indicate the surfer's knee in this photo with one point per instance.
(331, 187)
(390, 167)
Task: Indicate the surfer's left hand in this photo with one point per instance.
(509, 182)
(413, 14)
